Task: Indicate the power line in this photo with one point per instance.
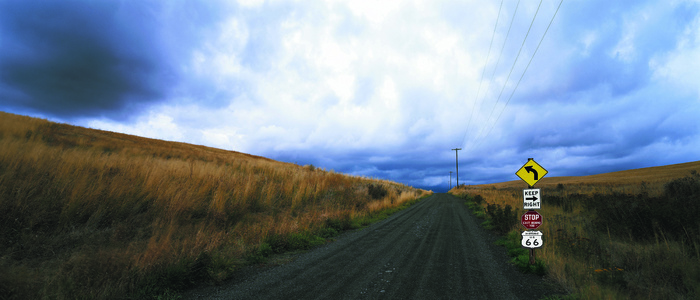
(517, 56)
(526, 67)
(498, 61)
(498, 17)
(478, 138)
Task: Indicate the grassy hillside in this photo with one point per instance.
(628, 181)
(95, 214)
(631, 234)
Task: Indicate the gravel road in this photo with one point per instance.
(433, 250)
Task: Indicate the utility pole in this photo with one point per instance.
(457, 163)
(450, 179)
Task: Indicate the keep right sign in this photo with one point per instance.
(532, 199)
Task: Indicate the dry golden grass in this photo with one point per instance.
(594, 264)
(97, 214)
(628, 181)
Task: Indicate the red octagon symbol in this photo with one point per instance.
(531, 219)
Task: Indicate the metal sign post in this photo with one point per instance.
(531, 172)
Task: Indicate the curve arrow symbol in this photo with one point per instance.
(529, 169)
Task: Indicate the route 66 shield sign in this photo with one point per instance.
(532, 239)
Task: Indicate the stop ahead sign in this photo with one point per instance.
(531, 219)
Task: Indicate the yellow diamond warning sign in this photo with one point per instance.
(531, 172)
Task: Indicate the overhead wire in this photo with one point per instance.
(498, 61)
(523, 74)
(515, 61)
(493, 34)
(518, 56)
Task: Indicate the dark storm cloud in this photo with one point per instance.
(611, 88)
(407, 166)
(73, 59)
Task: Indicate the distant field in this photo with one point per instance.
(92, 214)
(631, 234)
(621, 181)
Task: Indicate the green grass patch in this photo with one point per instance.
(521, 256)
(498, 218)
(277, 244)
(341, 224)
(216, 268)
(476, 209)
(562, 297)
(501, 219)
(474, 204)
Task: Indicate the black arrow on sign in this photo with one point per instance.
(533, 198)
(529, 169)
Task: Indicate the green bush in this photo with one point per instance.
(560, 187)
(340, 224)
(502, 218)
(304, 241)
(265, 249)
(523, 263)
(474, 204)
(674, 214)
(683, 187)
(327, 232)
(520, 255)
(567, 203)
(291, 242)
(376, 191)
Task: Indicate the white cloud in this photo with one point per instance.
(157, 125)
(309, 96)
(347, 83)
(376, 12)
(680, 67)
(251, 3)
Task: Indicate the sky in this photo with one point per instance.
(382, 89)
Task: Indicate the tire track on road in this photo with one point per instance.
(434, 249)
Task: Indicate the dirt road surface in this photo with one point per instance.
(433, 250)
